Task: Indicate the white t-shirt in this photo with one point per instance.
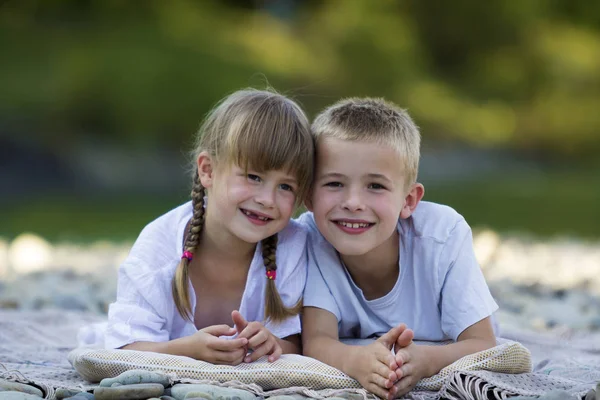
(440, 289)
(145, 310)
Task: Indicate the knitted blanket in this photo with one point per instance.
(34, 348)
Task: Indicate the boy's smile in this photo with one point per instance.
(358, 195)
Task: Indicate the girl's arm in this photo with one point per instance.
(203, 345)
(291, 344)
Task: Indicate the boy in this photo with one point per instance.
(378, 263)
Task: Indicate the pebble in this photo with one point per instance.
(551, 395)
(12, 395)
(20, 387)
(129, 392)
(64, 394)
(591, 395)
(136, 376)
(180, 392)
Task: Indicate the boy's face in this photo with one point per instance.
(358, 194)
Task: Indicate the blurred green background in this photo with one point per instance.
(99, 101)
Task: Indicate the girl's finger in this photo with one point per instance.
(229, 357)
(219, 330)
(250, 330)
(226, 344)
(260, 351)
(258, 339)
(276, 353)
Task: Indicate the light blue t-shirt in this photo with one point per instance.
(440, 289)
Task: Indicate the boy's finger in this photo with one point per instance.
(387, 359)
(390, 337)
(402, 357)
(377, 390)
(404, 371)
(403, 386)
(239, 320)
(405, 339)
(385, 372)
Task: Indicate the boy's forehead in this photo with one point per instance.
(367, 158)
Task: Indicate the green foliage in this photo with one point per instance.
(517, 74)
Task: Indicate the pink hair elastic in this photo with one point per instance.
(272, 274)
(188, 254)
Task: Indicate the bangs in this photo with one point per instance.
(272, 136)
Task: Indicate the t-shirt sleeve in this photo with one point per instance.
(465, 296)
(317, 293)
(136, 314)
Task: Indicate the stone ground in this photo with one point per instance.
(544, 285)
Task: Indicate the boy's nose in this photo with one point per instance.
(353, 202)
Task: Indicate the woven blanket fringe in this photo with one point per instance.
(465, 387)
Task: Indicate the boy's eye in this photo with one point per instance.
(333, 184)
(253, 177)
(376, 186)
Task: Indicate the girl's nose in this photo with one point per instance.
(266, 197)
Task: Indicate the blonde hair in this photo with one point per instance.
(256, 129)
(373, 120)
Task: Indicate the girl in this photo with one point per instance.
(192, 269)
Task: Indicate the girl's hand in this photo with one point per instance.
(260, 340)
(208, 346)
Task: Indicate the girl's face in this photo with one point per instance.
(250, 205)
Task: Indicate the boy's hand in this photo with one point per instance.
(374, 365)
(413, 364)
(209, 347)
(260, 340)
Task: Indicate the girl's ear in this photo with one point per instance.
(206, 169)
(412, 199)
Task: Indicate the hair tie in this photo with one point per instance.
(271, 274)
(188, 254)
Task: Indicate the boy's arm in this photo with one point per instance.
(477, 337)
(420, 361)
(372, 365)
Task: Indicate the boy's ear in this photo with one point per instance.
(412, 199)
(205, 167)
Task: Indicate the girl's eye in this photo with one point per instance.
(253, 177)
(286, 187)
(333, 184)
(376, 186)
